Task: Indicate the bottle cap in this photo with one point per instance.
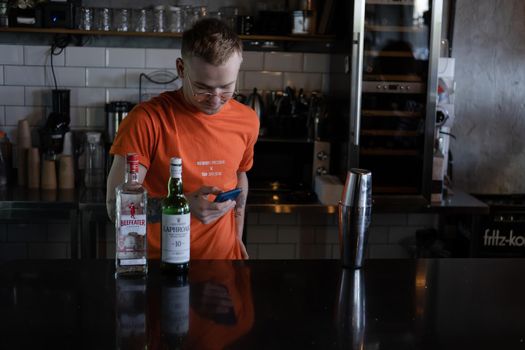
(176, 161)
(93, 137)
(133, 162)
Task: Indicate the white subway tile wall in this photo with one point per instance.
(40, 56)
(283, 61)
(37, 96)
(24, 75)
(106, 77)
(86, 56)
(34, 115)
(316, 236)
(97, 75)
(316, 62)
(264, 80)
(253, 61)
(133, 58)
(66, 76)
(161, 58)
(11, 54)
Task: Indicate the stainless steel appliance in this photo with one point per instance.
(288, 165)
(115, 112)
(383, 88)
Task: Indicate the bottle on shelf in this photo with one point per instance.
(130, 223)
(175, 238)
(95, 154)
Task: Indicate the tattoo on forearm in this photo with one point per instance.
(239, 207)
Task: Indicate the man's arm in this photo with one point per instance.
(240, 208)
(116, 176)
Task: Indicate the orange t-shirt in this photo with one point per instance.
(213, 149)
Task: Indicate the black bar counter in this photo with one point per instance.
(258, 304)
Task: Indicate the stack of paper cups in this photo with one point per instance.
(23, 145)
(49, 176)
(33, 168)
(66, 175)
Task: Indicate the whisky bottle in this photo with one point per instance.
(130, 223)
(175, 238)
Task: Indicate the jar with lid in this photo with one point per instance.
(94, 155)
(175, 19)
(121, 19)
(159, 19)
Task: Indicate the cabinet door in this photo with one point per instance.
(397, 97)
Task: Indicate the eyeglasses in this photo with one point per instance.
(202, 96)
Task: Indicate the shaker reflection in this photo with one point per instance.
(350, 316)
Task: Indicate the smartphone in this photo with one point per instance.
(224, 196)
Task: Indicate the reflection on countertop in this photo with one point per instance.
(266, 304)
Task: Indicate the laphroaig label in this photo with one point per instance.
(175, 238)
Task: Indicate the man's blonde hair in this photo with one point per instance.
(211, 40)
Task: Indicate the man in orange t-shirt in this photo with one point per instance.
(212, 133)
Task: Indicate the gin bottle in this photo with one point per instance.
(175, 239)
(131, 204)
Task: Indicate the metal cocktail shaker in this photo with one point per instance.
(355, 211)
(350, 315)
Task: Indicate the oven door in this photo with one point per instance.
(282, 165)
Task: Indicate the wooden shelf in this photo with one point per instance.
(296, 38)
(393, 77)
(388, 152)
(396, 114)
(403, 133)
(402, 54)
(398, 29)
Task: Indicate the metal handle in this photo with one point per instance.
(357, 71)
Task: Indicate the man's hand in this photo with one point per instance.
(244, 252)
(204, 210)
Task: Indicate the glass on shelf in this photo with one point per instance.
(141, 20)
(121, 19)
(85, 18)
(175, 19)
(159, 19)
(102, 19)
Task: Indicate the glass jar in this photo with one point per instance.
(86, 18)
(175, 23)
(103, 19)
(141, 19)
(159, 19)
(121, 20)
(94, 155)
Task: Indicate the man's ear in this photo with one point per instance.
(180, 67)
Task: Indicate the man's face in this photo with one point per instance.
(208, 87)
